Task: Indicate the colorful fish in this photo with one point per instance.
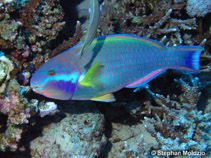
(109, 64)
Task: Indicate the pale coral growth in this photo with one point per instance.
(198, 7)
(178, 125)
(6, 66)
(44, 20)
(160, 20)
(72, 41)
(47, 108)
(19, 110)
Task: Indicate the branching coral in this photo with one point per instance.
(178, 125)
(69, 43)
(44, 20)
(160, 20)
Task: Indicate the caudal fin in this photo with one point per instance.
(189, 57)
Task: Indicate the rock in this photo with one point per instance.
(80, 134)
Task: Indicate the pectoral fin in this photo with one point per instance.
(105, 98)
(92, 78)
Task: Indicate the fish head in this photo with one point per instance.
(57, 79)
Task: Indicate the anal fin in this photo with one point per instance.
(109, 97)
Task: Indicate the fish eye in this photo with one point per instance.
(51, 72)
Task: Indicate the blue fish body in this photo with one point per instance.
(109, 64)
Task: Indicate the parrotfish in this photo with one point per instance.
(109, 64)
(94, 21)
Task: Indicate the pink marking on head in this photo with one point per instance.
(160, 63)
(164, 63)
(161, 58)
(171, 58)
(155, 63)
(156, 58)
(165, 58)
(168, 63)
(152, 59)
(168, 54)
(156, 49)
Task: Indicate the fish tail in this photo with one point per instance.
(188, 57)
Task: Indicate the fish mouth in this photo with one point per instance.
(34, 88)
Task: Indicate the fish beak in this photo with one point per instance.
(34, 88)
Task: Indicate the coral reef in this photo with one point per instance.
(6, 67)
(47, 108)
(77, 135)
(177, 120)
(198, 7)
(18, 110)
(162, 123)
(44, 20)
(160, 20)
